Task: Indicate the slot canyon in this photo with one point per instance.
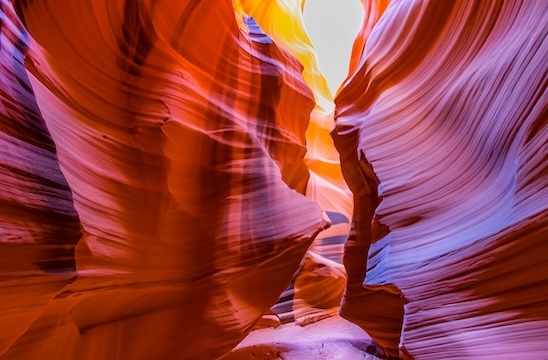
(273, 179)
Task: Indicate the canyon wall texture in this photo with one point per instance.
(170, 181)
(182, 141)
(442, 130)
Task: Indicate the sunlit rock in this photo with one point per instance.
(446, 117)
(39, 227)
(182, 141)
(173, 175)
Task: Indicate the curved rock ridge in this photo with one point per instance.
(39, 227)
(282, 21)
(168, 177)
(182, 139)
(442, 134)
(37, 214)
(305, 300)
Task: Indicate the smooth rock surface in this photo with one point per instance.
(171, 178)
(446, 118)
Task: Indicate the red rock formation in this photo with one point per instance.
(181, 179)
(39, 227)
(447, 113)
(155, 157)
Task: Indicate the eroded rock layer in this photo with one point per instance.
(181, 136)
(167, 173)
(446, 118)
(39, 227)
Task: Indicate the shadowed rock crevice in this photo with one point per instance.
(379, 309)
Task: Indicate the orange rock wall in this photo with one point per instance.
(182, 141)
(166, 178)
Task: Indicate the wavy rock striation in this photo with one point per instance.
(168, 172)
(39, 227)
(446, 118)
(181, 136)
